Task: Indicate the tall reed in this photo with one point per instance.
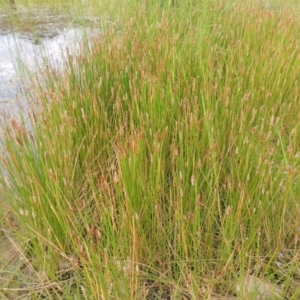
(165, 161)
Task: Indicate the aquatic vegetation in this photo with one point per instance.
(165, 161)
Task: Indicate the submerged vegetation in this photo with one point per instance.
(164, 163)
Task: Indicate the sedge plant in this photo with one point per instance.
(164, 161)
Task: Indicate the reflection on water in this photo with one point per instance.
(30, 40)
(20, 55)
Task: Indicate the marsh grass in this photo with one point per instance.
(165, 161)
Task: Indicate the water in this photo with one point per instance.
(40, 37)
(20, 56)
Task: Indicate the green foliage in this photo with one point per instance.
(165, 160)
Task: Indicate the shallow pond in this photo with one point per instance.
(27, 42)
